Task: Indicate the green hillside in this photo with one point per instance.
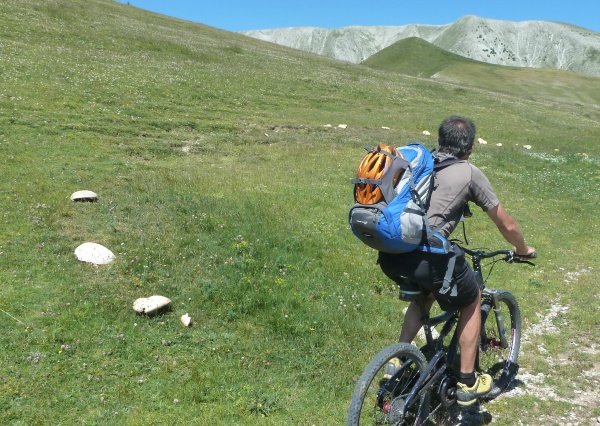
(416, 57)
(222, 187)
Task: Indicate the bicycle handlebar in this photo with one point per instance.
(509, 255)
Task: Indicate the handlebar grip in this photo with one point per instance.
(525, 259)
(525, 256)
(530, 256)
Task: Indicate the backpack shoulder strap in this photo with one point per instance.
(442, 163)
(439, 163)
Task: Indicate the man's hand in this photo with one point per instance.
(528, 253)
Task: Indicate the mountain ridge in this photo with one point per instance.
(530, 44)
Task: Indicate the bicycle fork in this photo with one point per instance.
(495, 302)
(499, 320)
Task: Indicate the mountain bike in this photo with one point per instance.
(422, 390)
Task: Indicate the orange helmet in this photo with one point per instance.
(373, 167)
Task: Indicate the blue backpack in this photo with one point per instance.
(392, 191)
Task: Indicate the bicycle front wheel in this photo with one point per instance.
(379, 399)
(495, 358)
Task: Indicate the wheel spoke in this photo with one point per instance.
(380, 400)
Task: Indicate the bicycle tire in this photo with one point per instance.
(500, 363)
(371, 404)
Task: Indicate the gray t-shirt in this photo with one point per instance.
(454, 186)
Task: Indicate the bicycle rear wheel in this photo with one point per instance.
(494, 359)
(381, 401)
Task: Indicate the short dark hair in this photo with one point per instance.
(456, 136)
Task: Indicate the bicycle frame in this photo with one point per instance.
(439, 364)
(424, 385)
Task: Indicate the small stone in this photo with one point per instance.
(186, 320)
(151, 305)
(94, 253)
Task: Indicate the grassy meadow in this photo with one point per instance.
(222, 187)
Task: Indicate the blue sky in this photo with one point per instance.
(238, 15)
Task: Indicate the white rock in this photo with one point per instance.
(498, 144)
(151, 305)
(186, 320)
(94, 253)
(421, 334)
(527, 146)
(385, 128)
(482, 141)
(426, 133)
(328, 125)
(84, 195)
(343, 126)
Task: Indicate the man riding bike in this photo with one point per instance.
(454, 187)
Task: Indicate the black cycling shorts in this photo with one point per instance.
(428, 270)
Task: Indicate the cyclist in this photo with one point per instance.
(454, 186)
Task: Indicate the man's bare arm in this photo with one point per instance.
(510, 230)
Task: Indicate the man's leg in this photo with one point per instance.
(470, 386)
(410, 327)
(412, 319)
(468, 327)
